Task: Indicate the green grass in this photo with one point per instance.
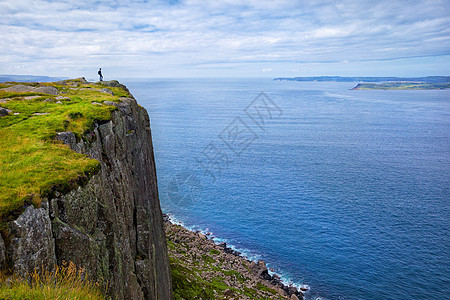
(65, 282)
(187, 284)
(208, 259)
(262, 287)
(241, 278)
(214, 252)
(32, 162)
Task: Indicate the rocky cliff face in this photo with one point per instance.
(111, 224)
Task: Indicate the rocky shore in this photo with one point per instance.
(203, 269)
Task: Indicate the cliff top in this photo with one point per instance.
(32, 161)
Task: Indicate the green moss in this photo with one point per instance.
(214, 252)
(187, 285)
(253, 294)
(170, 245)
(31, 161)
(241, 278)
(245, 266)
(262, 287)
(208, 259)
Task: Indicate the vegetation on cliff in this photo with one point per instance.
(65, 282)
(32, 162)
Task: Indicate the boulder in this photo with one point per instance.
(107, 91)
(19, 88)
(294, 297)
(51, 90)
(4, 112)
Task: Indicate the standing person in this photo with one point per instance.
(100, 74)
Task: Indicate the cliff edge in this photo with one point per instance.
(110, 222)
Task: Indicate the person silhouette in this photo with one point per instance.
(100, 74)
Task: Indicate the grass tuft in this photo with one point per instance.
(65, 282)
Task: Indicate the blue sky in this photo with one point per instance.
(225, 38)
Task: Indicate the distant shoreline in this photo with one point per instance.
(382, 83)
(402, 86)
(427, 79)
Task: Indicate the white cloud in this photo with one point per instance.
(154, 36)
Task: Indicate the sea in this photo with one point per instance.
(346, 192)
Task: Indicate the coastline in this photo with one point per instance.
(211, 261)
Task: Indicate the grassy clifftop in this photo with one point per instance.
(32, 162)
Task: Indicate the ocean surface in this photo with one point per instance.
(345, 191)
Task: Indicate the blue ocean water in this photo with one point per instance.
(345, 191)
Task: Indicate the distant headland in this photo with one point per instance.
(383, 83)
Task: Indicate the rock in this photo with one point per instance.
(304, 288)
(2, 253)
(40, 114)
(108, 91)
(62, 98)
(30, 97)
(96, 103)
(82, 80)
(111, 83)
(51, 90)
(262, 264)
(166, 217)
(294, 297)
(228, 293)
(111, 103)
(68, 240)
(281, 291)
(32, 245)
(4, 112)
(18, 88)
(48, 100)
(58, 102)
(292, 290)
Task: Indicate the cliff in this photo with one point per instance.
(108, 221)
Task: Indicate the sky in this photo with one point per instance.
(224, 38)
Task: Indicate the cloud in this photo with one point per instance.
(151, 37)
